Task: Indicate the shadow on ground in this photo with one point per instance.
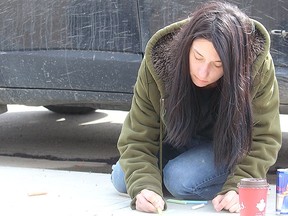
(58, 137)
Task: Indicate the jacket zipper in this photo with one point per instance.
(162, 114)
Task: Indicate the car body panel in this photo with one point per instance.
(70, 69)
(70, 24)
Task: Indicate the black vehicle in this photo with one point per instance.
(80, 55)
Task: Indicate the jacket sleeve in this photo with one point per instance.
(138, 143)
(266, 128)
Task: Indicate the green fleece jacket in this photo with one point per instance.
(142, 133)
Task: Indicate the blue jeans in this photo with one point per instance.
(190, 175)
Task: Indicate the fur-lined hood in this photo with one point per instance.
(158, 53)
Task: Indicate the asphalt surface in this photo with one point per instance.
(37, 138)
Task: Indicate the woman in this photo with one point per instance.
(205, 112)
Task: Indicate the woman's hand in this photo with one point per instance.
(149, 201)
(228, 201)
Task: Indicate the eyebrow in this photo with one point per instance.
(195, 50)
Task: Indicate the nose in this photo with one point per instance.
(203, 71)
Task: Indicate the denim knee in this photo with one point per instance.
(175, 182)
(118, 178)
(192, 181)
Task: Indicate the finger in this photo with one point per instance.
(217, 200)
(226, 201)
(153, 198)
(217, 203)
(149, 195)
(159, 203)
(235, 208)
(142, 204)
(149, 201)
(231, 200)
(148, 207)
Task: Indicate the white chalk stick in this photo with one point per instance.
(194, 207)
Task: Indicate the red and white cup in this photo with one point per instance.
(253, 196)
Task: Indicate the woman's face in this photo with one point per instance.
(204, 63)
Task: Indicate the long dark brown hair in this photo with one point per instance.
(229, 29)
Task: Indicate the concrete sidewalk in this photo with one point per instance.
(26, 191)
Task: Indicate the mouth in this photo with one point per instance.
(201, 81)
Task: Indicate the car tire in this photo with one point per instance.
(71, 110)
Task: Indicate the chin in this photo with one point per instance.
(200, 86)
(203, 85)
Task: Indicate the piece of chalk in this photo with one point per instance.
(187, 201)
(159, 210)
(37, 193)
(198, 206)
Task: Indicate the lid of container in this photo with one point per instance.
(253, 182)
(284, 170)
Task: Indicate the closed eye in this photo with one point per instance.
(197, 55)
(218, 64)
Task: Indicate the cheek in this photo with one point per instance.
(221, 73)
(191, 69)
(218, 74)
(192, 66)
